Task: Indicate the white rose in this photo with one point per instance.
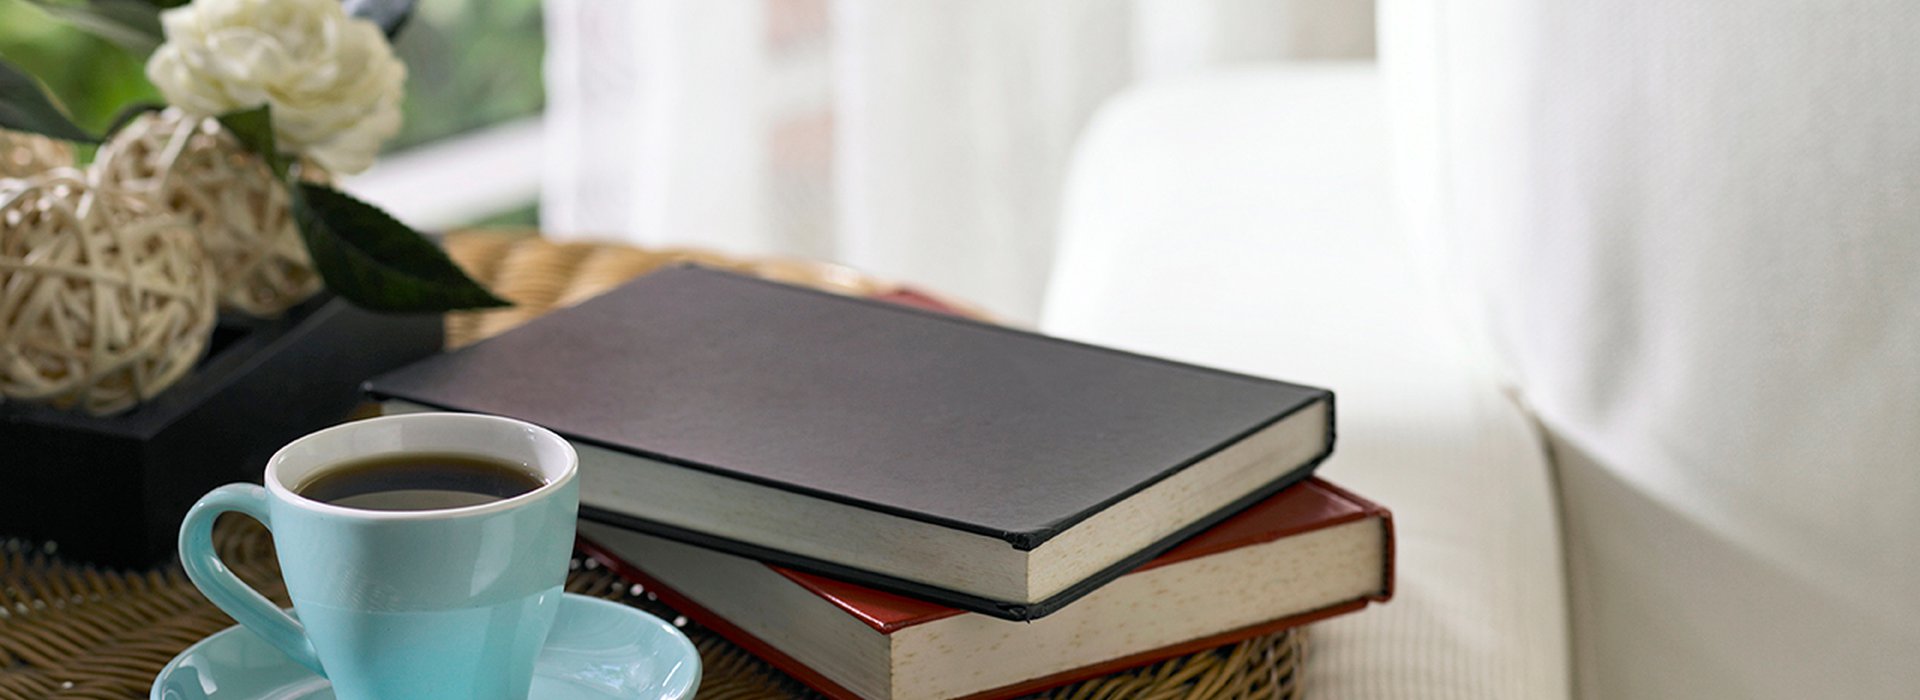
(331, 79)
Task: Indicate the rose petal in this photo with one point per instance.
(332, 80)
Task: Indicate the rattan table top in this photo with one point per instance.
(74, 631)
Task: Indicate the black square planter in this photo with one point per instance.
(112, 490)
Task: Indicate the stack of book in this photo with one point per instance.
(891, 502)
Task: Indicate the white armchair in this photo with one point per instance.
(1244, 220)
(1621, 307)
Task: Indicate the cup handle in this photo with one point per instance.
(226, 590)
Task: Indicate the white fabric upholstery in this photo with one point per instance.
(1691, 232)
(1243, 221)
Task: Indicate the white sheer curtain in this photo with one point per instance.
(920, 140)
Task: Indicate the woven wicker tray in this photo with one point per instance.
(70, 631)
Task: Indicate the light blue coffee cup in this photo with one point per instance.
(404, 605)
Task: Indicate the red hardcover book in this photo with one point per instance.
(1307, 553)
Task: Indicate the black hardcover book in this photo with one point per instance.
(975, 465)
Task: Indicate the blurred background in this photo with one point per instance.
(917, 140)
(474, 65)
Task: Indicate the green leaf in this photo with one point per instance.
(24, 106)
(127, 114)
(370, 259)
(391, 15)
(133, 25)
(254, 129)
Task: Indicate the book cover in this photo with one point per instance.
(840, 419)
(1311, 507)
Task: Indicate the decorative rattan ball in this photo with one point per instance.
(197, 169)
(105, 299)
(26, 155)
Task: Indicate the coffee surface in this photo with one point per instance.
(419, 481)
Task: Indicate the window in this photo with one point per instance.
(474, 96)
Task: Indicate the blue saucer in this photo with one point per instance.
(598, 650)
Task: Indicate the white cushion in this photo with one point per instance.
(1692, 232)
(1242, 220)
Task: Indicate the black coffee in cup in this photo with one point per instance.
(419, 481)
